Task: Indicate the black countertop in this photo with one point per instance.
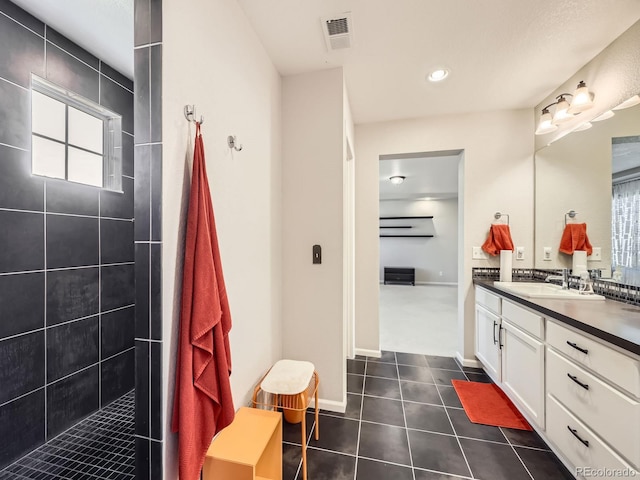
(615, 322)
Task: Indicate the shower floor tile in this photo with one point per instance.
(99, 447)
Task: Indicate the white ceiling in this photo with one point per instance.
(433, 176)
(503, 54)
(102, 27)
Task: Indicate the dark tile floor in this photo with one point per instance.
(404, 422)
(99, 447)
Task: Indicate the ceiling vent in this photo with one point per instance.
(337, 31)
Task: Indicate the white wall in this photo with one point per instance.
(213, 59)
(497, 175)
(312, 195)
(429, 256)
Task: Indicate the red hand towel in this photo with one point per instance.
(499, 238)
(575, 238)
(202, 401)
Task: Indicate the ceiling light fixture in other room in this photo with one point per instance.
(438, 75)
(397, 179)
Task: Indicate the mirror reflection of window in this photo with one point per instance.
(625, 210)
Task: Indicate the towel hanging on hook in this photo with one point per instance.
(190, 114)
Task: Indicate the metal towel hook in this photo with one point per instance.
(190, 114)
(232, 142)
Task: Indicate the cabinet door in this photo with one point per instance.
(487, 342)
(523, 371)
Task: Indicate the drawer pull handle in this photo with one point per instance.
(575, 379)
(583, 350)
(494, 332)
(575, 434)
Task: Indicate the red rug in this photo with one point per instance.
(485, 403)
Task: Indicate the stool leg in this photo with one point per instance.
(304, 446)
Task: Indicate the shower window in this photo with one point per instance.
(73, 138)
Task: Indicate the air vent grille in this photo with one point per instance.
(337, 31)
(338, 26)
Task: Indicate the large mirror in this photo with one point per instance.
(575, 173)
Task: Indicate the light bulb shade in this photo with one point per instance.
(629, 102)
(396, 179)
(603, 116)
(582, 99)
(584, 126)
(545, 125)
(562, 114)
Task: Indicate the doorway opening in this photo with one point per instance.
(419, 231)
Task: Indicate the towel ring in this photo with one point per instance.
(499, 215)
(571, 214)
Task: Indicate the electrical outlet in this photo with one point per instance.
(546, 256)
(519, 253)
(478, 254)
(596, 255)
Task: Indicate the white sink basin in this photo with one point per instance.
(544, 290)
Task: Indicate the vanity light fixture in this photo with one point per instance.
(397, 179)
(604, 116)
(629, 102)
(581, 100)
(584, 126)
(438, 75)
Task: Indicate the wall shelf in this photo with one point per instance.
(406, 236)
(404, 226)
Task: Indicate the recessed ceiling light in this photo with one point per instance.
(438, 75)
(397, 179)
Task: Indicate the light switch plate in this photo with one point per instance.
(519, 253)
(596, 255)
(478, 254)
(546, 255)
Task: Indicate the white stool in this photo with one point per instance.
(289, 385)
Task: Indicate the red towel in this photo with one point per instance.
(499, 239)
(202, 400)
(575, 238)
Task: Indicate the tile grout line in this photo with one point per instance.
(517, 455)
(404, 416)
(455, 433)
(99, 292)
(46, 375)
(364, 380)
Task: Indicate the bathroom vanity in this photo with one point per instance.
(572, 367)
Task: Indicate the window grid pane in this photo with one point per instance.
(47, 157)
(84, 167)
(85, 131)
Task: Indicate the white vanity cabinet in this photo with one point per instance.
(581, 393)
(488, 325)
(523, 356)
(591, 386)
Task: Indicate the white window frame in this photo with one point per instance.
(111, 138)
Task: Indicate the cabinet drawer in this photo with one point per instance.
(488, 300)
(612, 415)
(525, 319)
(615, 366)
(596, 456)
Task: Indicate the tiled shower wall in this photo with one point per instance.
(66, 252)
(148, 238)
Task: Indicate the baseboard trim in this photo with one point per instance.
(468, 362)
(368, 353)
(329, 405)
(446, 284)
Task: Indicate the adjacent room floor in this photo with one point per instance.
(404, 422)
(98, 448)
(420, 319)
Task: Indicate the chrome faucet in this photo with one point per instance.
(564, 277)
